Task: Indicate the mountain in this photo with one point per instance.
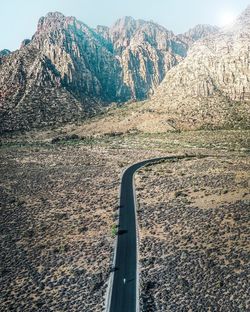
(198, 32)
(62, 73)
(146, 51)
(69, 70)
(211, 87)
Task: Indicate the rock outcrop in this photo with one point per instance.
(212, 85)
(146, 51)
(25, 42)
(68, 69)
(199, 32)
(30, 92)
(82, 57)
(64, 72)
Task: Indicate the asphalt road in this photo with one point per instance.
(124, 296)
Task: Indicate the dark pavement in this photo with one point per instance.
(124, 295)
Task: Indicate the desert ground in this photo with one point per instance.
(59, 192)
(194, 223)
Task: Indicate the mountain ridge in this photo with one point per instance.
(83, 69)
(211, 87)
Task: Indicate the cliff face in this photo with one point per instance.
(198, 32)
(82, 57)
(64, 72)
(69, 70)
(31, 94)
(213, 80)
(146, 51)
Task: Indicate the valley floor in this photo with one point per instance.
(58, 207)
(194, 222)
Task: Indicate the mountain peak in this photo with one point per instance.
(127, 23)
(127, 19)
(244, 17)
(54, 15)
(51, 18)
(54, 21)
(201, 31)
(241, 24)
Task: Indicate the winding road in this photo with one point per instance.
(123, 290)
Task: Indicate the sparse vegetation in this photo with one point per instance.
(114, 230)
(57, 201)
(193, 231)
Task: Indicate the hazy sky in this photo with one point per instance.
(18, 18)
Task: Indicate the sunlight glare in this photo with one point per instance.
(227, 18)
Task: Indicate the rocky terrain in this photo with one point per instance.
(58, 193)
(211, 86)
(209, 89)
(57, 210)
(146, 51)
(68, 70)
(194, 230)
(198, 32)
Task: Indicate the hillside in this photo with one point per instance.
(212, 85)
(209, 89)
(68, 71)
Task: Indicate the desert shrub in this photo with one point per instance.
(113, 230)
(71, 137)
(55, 140)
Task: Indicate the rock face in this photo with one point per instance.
(212, 85)
(65, 71)
(199, 32)
(68, 69)
(25, 42)
(146, 51)
(82, 57)
(30, 92)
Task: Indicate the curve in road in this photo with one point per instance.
(123, 289)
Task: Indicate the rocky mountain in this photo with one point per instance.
(64, 72)
(68, 70)
(146, 51)
(198, 32)
(211, 87)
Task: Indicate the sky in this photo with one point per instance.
(18, 18)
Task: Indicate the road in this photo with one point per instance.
(124, 297)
